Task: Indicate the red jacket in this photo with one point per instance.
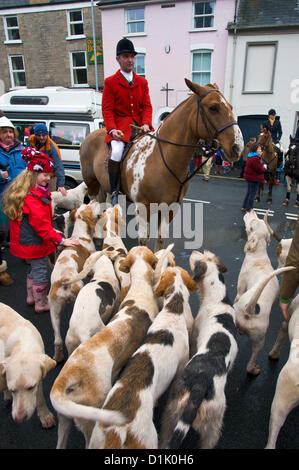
(123, 104)
(34, 236)
(254, 170)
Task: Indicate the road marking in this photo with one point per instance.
(197, 200)
(263, 211)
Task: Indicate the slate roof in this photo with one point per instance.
(266, 13)
(23, 3)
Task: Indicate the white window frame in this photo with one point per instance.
(11, 70)
(7, 28)
(199, 50)
(75, 68)
(69, 22)
(140, 54)
(252, 44)
(127, 21)
(203, 16)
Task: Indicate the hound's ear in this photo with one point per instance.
(3, 384)
(251, 243)
(47, 364)
(73, 214)
(221, 266)
(189, 283)
(153, 260)
(165, 282)
(200, 268)
(125, 264)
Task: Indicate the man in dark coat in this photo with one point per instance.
(274, 125)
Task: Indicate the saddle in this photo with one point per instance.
(134, 136)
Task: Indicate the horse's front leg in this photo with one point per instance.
(160, 240)
(143, 224)
(271, 184)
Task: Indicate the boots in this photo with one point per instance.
(286, 201)
(5, 278)
(40, 297)
(30, 298)
(114, 174)
(297, 201)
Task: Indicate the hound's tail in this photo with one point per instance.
(197, 395)
(70, 409)
(88, 265)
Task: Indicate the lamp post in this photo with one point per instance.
(94, 46)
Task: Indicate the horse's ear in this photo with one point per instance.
(216, 86)
(197, 89)
(261, 127)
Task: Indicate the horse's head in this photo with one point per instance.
(265, 138)
(215, 121)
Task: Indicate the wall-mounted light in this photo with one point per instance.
(167, 48)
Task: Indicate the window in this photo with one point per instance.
(139, 66)
(68, 134)
(79, 68)
(25, 129)
(29, 100)
(75, 23)
(203, 14)
(11, 28)
(17, 70)
(201, 67)
(135, 20)
(259, 56)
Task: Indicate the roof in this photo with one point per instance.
(266, 13)
(29, 3)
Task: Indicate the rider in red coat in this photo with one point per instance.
(125, 101)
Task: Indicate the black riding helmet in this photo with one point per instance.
(125, 45)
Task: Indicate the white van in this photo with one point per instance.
(69, 114)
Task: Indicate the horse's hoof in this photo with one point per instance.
(285, 202)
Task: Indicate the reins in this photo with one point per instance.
(210, 146)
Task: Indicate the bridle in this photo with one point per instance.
(212, 147)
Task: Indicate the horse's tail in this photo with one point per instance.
(197, 395)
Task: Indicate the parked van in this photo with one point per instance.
(69, 114)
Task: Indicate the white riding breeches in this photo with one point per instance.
(117, 147)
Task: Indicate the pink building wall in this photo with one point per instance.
(173, 27)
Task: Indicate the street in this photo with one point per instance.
(248, 399)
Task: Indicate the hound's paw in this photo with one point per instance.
(48, 420)
(254, 370)
(274, 354)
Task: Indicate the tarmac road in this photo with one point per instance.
(248, 399)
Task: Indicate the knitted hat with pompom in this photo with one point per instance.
(37, 161)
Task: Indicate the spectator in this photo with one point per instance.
(27, 203)
(254, 174)
(245, 155)
(218, 163)
(41, 141)
(290, 279)
(11, 164)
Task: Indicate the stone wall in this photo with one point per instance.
(46, 50)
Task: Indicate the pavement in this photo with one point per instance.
(248, 399)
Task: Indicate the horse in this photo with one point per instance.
(271, 157)
(155, 169)
(291, 169)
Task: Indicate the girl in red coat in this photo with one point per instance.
(254, 174)
(27, 203)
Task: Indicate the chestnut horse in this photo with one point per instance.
(270, 157)
(155, 169)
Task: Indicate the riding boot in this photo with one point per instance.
(40, 297)
(114, 174)
(30, 298)
(286, 201)
(297, 201)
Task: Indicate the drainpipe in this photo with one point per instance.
(231, 86)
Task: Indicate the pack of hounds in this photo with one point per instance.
(130, 309)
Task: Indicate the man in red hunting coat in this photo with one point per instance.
(125, 101)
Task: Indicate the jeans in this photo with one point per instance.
(250, 195)
(39, 270)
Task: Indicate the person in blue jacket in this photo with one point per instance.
(11, 164)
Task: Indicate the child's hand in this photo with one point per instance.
(71, 242)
